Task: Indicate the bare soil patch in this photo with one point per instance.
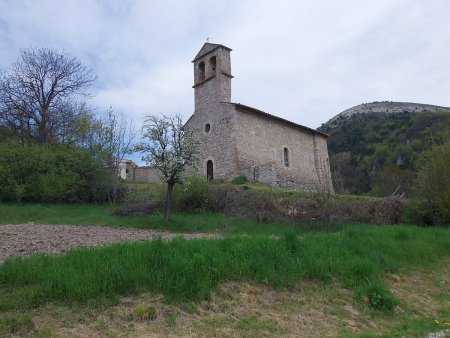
(28, 239)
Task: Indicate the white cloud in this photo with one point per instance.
(302, 60)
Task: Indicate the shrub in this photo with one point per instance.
(265, 207)
(380, 298)
(431, 205)
(229, 200)
(303, 208)
(192, 194)
(241, 179)
(44, 173)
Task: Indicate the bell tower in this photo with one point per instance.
(212, 75)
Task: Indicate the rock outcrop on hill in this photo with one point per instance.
(385, 107)
(374, 147)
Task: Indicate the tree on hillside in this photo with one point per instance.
(38, 94)
(170, 149)
(433, 181)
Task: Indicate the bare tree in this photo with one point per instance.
(120, 135)
(72, 122)
(38, 90)
(170, 149)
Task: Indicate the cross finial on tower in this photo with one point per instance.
(207, 39)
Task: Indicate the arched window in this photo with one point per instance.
(286, 157)
(209, 170)
(201, 71)
(212, 65)
(207, 128)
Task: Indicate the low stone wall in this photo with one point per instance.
(267, 173)
(144, 175)
(294, 185)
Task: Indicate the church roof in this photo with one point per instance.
(244, 108)
(208, 48)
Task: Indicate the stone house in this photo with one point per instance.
(124, 167)
(240, 140)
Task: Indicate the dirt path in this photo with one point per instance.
(28, 239)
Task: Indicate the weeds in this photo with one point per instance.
(380, 298)
(296, 207)
(143, 312)
(241, 179)
(192, 194)
(16, 325)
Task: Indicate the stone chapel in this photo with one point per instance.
(240, 140)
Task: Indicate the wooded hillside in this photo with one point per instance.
(377, 154)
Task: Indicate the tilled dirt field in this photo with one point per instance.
(28, 239)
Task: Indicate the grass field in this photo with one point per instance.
(100, 214)
(357, 259)
(358, 280)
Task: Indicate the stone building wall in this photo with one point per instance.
(219, 143)
(322, 163)
(242, 140)
(212, 121)
(260, 145)
(247, 141)
(143, 175)
(213, 83)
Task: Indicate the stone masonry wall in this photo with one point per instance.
(264, 173)
(323, 163)
(216, 86)
(218, 144)
(144, 175)
(260, 143)
(250, 143)
(217, 141)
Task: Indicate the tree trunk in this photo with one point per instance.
(168, 200)
(115, 172)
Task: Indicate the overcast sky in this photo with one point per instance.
(305, 61)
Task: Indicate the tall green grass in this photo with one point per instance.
(189, 270)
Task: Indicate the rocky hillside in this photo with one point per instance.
(385, 108)
(374, 147)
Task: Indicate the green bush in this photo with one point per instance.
(241, 179)
(380, 298)
(431, 205)
(192, 194)
(49, 173)
(297, 208)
